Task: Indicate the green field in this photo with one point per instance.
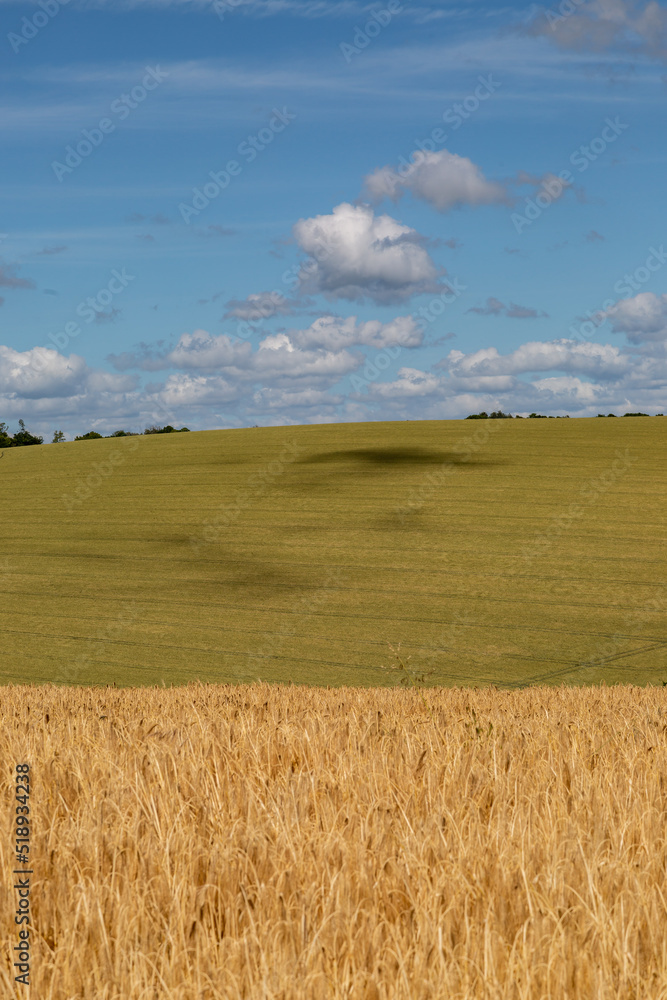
(492, 551)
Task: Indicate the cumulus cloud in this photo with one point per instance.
(286, 358)
(320, 350)
(642, 318)
(443, 179)
(278, 356)
(602, 361)
(335, 334)
(494, 307)
(201, 350)
(43, 372)
(356, 255)
(184, 391)
(285, 399)
(411, 382)
(577, 378)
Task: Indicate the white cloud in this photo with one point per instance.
(43, 372)
(284, 399)
(201, 350)
(335, 334)
(642, 318)
(411, 382)
(278, 356)
(443, 179)
(355, 255)
(183, 390)
(602, 361)
(295, 376)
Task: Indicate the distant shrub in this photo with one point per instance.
(635, 414)
(168, 429)
(496, 415)
(537, 416)
(90, 436)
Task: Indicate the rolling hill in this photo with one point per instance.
(491, 551)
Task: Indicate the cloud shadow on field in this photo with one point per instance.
(379, 457)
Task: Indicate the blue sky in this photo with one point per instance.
(335, 271)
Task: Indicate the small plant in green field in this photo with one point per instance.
(411, 676)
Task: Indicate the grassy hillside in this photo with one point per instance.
(506, 551)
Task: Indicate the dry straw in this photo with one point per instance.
(223, 842)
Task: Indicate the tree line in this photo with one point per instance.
(24, 437)
(499, 415)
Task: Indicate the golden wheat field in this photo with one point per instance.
(288, 842)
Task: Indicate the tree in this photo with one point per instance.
(57, 437)
(91, 435)
(24, 437)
